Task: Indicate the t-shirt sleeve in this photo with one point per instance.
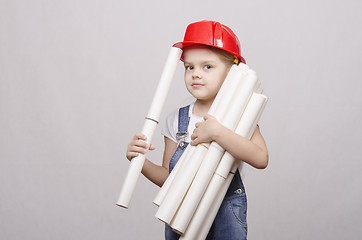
(169, 128)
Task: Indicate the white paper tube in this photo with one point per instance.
(255, 106)
(165, 82)
(212, 212)
(150, 125)
(166, 185)
(181, 183)
(200, 221)
(259, 88)
(213, 156)
(240, 100)
(226, 92)
(208, 207)
(193, 196)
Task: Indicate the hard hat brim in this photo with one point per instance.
(185, 44)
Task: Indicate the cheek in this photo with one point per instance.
(220, 80)
(187, 82)
(222, 77)
(187, 76)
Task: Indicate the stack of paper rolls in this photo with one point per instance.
(207, 209)
(188, 170)
(177, 207)
(224, 95)
(214, 154)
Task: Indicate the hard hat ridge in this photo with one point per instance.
(212, 34)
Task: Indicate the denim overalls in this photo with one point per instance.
(230, 221)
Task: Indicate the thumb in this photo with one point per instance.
(152, 147)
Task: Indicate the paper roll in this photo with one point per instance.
(180, 186)
(150, 125)
(168, 183)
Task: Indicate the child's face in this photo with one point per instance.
(204, 72)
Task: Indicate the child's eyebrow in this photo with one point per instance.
(208, 61)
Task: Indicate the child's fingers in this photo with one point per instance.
(138, 146)
(139, 143)
(194, 142)
(194, 135)
(140, 136)
(134, 151)
(138, 149)
(131, 155)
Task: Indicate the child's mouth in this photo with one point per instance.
(196, 85)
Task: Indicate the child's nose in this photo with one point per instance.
(196, 73)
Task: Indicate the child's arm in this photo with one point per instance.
(155, 173)
(253, 151)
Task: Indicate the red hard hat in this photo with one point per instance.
(212, 34)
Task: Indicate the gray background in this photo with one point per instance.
(77, 78)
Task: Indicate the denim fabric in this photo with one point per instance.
(176, 156)
(230, 222)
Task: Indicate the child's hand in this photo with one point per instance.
(137, 146)
(205, 131)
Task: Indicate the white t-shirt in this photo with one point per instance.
(170, 128)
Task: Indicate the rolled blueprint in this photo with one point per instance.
(214, 154)
(217, 188)
(185, 175)
(150, 125)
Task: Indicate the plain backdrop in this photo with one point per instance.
(76, 81)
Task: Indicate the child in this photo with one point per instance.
(209, 50)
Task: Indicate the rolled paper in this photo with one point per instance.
(150, 125)
(227, 90)
(200, 219)
(257, 103)
(184, 214)
(244, 92)
(259, 88)
(212, 212)
(207, 168)
(216, 190)
(163, 87)
(180, 186)
(185, 175)
(166, 185)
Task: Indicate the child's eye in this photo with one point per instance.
(189, 67)
(207, 67)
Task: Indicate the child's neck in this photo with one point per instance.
(201, 107)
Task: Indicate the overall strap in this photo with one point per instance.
(183, 123)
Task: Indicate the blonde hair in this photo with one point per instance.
(224, 56)
(228, 58)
